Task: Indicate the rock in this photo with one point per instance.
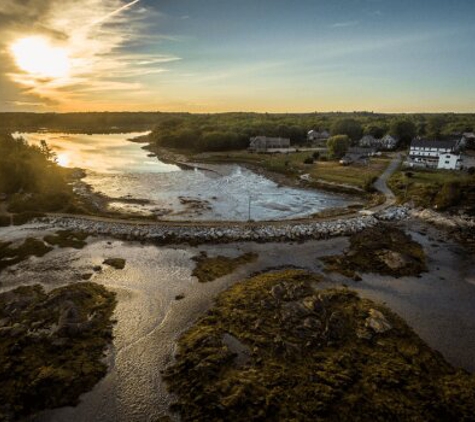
(377, 322)
(293, 310)
(180, 296)
(117, 263)
(97, 268)
(364, 333)
(393, 259)
(277, 292)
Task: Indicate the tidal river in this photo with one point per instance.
(438, 305)
(140, 184)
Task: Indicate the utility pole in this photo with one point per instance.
(249, 210)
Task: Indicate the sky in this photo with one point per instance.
(223, 55)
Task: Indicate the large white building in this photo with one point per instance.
(435, 154)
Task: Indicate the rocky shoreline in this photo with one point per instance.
(261, 232)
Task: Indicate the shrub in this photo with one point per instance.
(5, 220)
(448, 196)
(368, 184)
(308, 160)
(25, 217)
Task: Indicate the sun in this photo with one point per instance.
(36, 56)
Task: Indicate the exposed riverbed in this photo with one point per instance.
(438, 305)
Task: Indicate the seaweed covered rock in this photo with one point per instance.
(117, 263)
(67, 239)
(275, 347)
(12, 255)
(211, 268)
(383, 249)
(51, 345)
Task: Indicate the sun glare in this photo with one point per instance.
(36, 56)
(63, 160)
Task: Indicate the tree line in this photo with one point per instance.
(30, 177)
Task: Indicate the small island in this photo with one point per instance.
(278, 347)
(52, 345)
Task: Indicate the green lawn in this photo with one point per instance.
(425, 187)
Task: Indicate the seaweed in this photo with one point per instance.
(51, 345)
(211, 268)
(67, 239)
(313, 355)
(117, 263)
(13, 255)
(384, 250)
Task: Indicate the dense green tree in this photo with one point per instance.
(436, 126)
(31, 173)
(349, 127)
(403, 129)
(375, 130)
(338, 145)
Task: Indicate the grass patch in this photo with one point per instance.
(67, 239)
(383, 250)
(13, 255)
(432, 188)
(211, 268)
(293, 165)
(273, 348)
(51, 346)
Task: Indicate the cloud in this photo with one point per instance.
(96, 35)
(344, 24)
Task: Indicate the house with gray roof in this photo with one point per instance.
(266, 144)
(434, 154)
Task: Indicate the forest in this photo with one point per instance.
(31, 178)
(231, 131)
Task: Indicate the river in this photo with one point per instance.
(139, 184)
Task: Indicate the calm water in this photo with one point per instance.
(124, 172)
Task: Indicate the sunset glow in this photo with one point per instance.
(36, 56)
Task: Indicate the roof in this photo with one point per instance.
(421, 143)
(266, 138)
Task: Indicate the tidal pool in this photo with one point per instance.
(142, 185)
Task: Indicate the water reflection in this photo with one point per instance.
(142, 185)
(101, 153)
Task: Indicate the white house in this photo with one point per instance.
(450, 161)
(317, 136)
(389, 142)
(368, 141)
(385, 143)
(434, 154)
